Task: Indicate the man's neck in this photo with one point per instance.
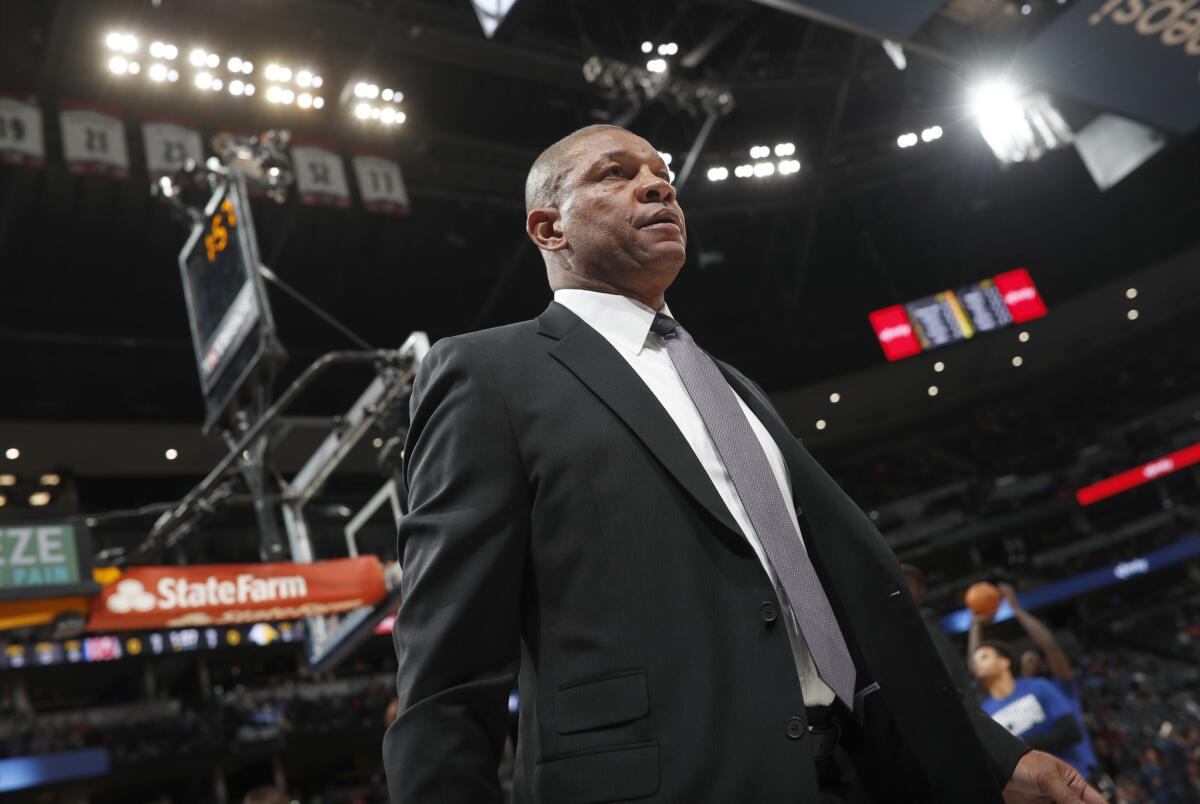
(1002, 686)
(572, 281)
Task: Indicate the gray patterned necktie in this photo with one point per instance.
(755, 483)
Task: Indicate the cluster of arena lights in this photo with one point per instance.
(379, 104)
(39, 498)
(211, 72)
(657, 53)
(763, 166)
(910, 138)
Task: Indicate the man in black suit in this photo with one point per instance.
(694, 610)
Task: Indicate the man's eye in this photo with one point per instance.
(614, 172)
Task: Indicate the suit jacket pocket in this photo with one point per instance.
(601, 701)
(612, 773)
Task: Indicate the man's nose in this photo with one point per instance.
(653, 189)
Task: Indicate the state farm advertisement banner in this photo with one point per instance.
(217, 594)
(1136, 57)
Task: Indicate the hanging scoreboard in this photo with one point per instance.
(233, 333)
(904, 330)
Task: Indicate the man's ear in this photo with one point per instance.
(544, 227)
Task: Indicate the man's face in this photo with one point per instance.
(1031, 664)
(619, 213)
(988, 663)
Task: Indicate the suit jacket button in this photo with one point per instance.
(768, 611)
(795, 728)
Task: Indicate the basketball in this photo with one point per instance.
(983, 598)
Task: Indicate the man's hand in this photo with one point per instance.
(1040, 778)
(1010, 595)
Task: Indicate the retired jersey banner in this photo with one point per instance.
(169, 145)
(221, 594)
(320, 177)
(94, 140)
(21, 141)
(381, 185)
(1139, 58)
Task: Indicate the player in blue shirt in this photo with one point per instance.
(1050, 662)
(1031, 708)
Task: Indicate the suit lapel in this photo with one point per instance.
(586, 354)
(787, 443)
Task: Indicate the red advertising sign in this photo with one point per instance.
(1138, 475)
(218, 594)
(1020, 295)
(895, 332)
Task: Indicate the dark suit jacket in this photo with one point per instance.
(562, 530)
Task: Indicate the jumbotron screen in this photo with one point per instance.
(905, 330)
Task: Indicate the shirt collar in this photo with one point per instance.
(622, 321)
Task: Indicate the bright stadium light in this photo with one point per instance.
(718, 173)
(114, 40)
(158, 72)
(212, 60)
(304, 100)
(172, 76)
(236, 87)
(387, 94)
(763, 169)
(304, 78)
(932, 133)
(668, 49)
(820, 424)
(12, 453)
(197, 57)
(835, 397)
(203, 80)
(318, 102)
(118, 65)
(287, 96)
(171, 454)
(907, 140)
(249, 90)
(387, 115)
(274, 94)
(657, 65)
(1017, 127)
(247, 67)
(217, 84)
(789, 166)
(134, 68)
(933, 390)
(39, 499)
(759, 152)
(785, 149)
(362, 111)
(743, 171)
(234, 64)
(647, 47)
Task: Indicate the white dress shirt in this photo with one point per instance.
(625, 324)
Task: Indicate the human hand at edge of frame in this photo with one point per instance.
(1040, 778)
(1010, 594)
